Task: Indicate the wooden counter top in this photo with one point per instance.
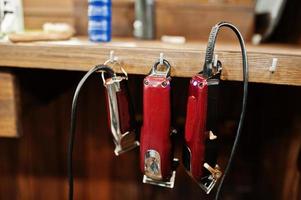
(139, 56)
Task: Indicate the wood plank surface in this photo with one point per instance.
(33, 167)
(176, 17)
(38, 12)
(192, 18)
(8, 105)
(139, 56)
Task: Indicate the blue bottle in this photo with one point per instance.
(99, 23)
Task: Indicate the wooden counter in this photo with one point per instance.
(139, 56)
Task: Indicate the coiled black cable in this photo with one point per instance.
(110, 73)
(207, 68)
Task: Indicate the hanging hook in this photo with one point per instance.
(112, 56)
(112, 59)
(115, 60)
(274, 65)
(161, 59)
(215, 60)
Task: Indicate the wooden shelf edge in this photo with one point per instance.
(186, 60)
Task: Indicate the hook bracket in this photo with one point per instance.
(161, 58)
(274, 65)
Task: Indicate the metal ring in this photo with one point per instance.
(165, 73)
(116, 62)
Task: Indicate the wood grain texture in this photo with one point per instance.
(191, 19)
(38, 12)
(36, 23)
(39, 36)
(277, 132)
(176, 17)
(33, 167)
(292, 181)
(8, 105)
(139, 56)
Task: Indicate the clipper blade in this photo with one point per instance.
(207, 183)
(168, 184)
(153, 172)
(126, 143)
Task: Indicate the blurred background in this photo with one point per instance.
(268, 20)
(268, 163)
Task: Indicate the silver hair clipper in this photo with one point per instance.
(120, 111)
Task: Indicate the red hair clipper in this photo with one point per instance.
(156, 152)
(120, 113)
(200, 152)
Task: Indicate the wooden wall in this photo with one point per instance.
(37, 12)
(9, 108)
(192, 19)
(33, 167)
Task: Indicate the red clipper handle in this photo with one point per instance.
(200, 152)
(156, 156)
(195, 126)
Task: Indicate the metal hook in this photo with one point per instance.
(115, 60)
(165, 73)
(274, 65)
(161, 59)
(112, 58)
(215, 60)
(103, 78)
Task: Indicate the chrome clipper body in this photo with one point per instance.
(120, 113)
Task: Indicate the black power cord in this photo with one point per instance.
(110, 73)
(207, 69)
